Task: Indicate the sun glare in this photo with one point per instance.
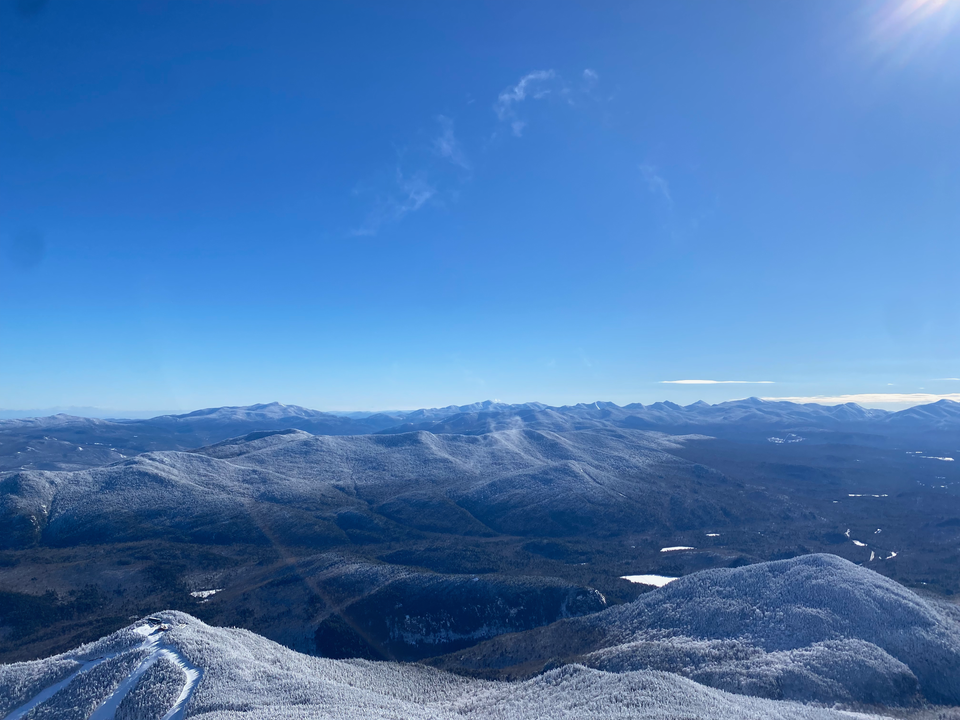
(916, 22)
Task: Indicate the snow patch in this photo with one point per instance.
(655, 580)
(204, 594)
(789, 438)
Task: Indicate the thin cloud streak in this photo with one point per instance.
(447, 146)
(716, 382)
(655, 182)
(528, 85)
(412, 194)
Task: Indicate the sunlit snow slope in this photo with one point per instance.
(813, 628)
(173, 666)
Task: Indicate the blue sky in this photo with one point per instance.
(385, 205)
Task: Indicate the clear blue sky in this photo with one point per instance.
(393, 205)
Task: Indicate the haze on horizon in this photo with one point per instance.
(370, 207)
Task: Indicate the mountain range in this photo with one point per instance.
(806, 554)
(63, 442)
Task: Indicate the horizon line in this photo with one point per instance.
(905, 400)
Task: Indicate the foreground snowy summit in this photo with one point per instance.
(171, 665)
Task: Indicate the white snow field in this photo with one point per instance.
(230, 674)
(655, 580)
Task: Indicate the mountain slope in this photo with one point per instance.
(296, 486)
(255, 515)
(173, 666)
(814, 628)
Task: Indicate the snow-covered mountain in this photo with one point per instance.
(171, 666)
(423, 540)
(215, 424)
(52, 443)
(942, 415)
(813, 628)
(306, 488)
(737, 415)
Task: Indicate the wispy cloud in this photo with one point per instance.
(416, 192)
(535, 85)
(902, 399)
(447, 146)
(442, 163)
(656, 182)
(716, 382)
(409, 194)
(531, 84)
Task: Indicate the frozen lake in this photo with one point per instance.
(655, 580)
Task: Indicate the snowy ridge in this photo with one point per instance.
(812, 628)
(152, 651)
(239, 675)
(509, 481)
